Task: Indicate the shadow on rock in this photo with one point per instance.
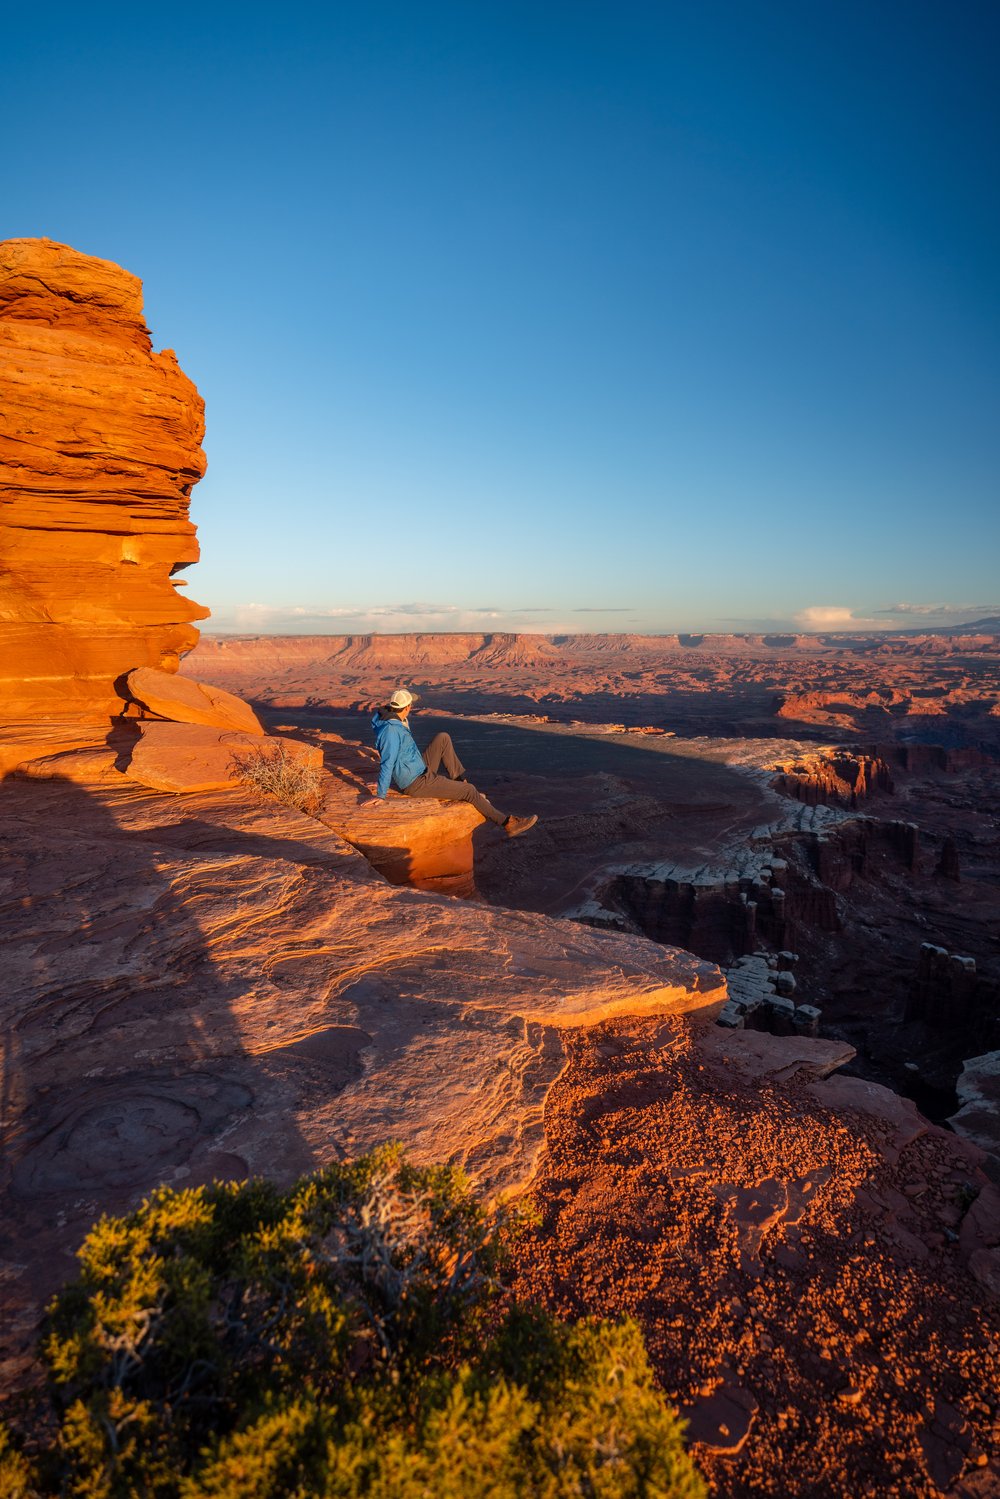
(123, 1065)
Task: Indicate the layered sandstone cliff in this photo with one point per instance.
(100, 447)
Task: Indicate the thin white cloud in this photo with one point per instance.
(393, 618)
(950, 613)
(255, 618)
(432, 618)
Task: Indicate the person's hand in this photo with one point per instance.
(374, 800)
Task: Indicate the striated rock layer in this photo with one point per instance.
(100, 447)
(207, 987)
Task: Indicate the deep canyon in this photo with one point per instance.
(874, 795)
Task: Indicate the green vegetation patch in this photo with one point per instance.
(346, 1337)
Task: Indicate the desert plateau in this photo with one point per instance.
(725, 1021)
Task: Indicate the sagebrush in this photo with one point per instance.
(274, 771)
(347, 1337)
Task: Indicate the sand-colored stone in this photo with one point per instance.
(100, 447)
(424, 844)
(427, 845)
(214, 985)
(21, 743)
(183, 700)
(85, 766)
(188, 757)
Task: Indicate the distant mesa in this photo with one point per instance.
(988, 626)
(100, 448)
(501, 650)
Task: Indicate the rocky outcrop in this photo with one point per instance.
(952, 997)
(100, 447)
(834, 777)
(211, 986)
(183, 700)
(726, 914)
(187, 757)
(424, 844)
(978, 1116)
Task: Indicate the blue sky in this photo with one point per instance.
(543, 316)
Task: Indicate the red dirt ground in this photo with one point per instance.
(792, 1269)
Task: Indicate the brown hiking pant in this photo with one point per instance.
(448, 788)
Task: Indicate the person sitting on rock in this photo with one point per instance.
(417, 774)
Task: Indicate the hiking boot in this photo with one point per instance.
(514, 826)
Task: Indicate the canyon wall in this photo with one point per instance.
(100, 447)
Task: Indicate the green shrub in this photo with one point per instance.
(344, 1338)
(15, 1470)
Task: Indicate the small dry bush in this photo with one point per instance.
(345, 1339)
(274, 771)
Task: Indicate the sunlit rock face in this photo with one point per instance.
(100, 447)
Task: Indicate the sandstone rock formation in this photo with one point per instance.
(100, 447)
(832, 777)
(424, 844)
(183, 700)
(978, 1117)
(211, 986)
(188, 757)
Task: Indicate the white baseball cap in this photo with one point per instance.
(401, 698)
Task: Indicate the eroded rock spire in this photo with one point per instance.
(100, 448)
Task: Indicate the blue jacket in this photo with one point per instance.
(402, 762)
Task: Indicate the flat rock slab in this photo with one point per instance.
(210, 985)
(425, 844)
(183, 700)
(87, 766)
(184, 757)
(782, 1057)
(31, 739)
